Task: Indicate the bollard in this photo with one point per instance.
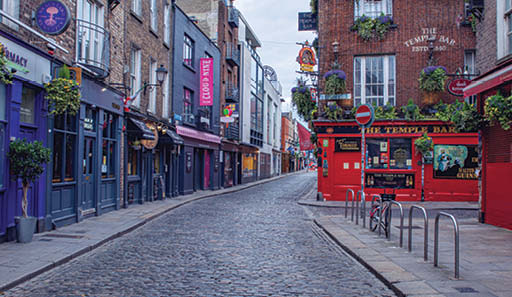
(401, 221)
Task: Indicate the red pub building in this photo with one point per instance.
(382, 67)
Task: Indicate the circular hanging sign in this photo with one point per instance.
(53, 17)
(456, 86)
(147, 143)
(365, 115)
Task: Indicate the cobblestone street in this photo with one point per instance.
(256, 242)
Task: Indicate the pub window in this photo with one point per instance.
(108, 159)
(374, 80)
(27, 107)
(188, 51)
(470, 68)
(134, 147)
(400, 153)
(64, 148)
(377, 151)
(372, 8)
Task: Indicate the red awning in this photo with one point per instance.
(489, 81)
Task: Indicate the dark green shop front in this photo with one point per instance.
(85, 165)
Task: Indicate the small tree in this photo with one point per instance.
(26, 160)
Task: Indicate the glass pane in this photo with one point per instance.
(28, 101)
(377, 153)
(70, 157)
(58, 141)
(104, 154)
(59, 123)
(90, 119)
(90, 156)
(400, 153)
(71, 122)
(112, 126)
(112, 159)
(106, 125)
(156, 161)
(2, 101)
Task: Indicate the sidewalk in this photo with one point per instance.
(485, 252)
(21, 262)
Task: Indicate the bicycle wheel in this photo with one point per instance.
(374, 218)
(385, 221)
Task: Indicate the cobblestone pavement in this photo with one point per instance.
(256, 242)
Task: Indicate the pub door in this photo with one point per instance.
(88, 177)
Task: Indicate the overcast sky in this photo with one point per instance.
(275, 24)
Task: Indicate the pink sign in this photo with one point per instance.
(206, 82)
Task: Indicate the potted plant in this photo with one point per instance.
(432, 80)
(424, 144)
(499, 109)
(411, 111)
(26, 161)
(5, 74)
(63, 94)
(334, 112)
(301, 98)
(368, 28)
(386, 112)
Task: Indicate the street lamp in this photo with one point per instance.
(336, 52)
(161, 72)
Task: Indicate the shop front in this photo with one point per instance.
(249, 163)
(85, 165)
(392, 164)
(496, 144)
(170, 144)
(276, 162)
(229, 161)
(23, 114)
(199, 161)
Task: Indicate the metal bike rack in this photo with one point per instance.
(361, 199)
(346, 202)
(401, 220)
(436, 241)
(371, 207)
(425, 240)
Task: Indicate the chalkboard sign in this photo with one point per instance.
(347, 144)
(307, 21)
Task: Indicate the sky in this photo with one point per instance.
(275, 23)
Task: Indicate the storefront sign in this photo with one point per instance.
(206, 82)
(456, 86)
(386, 129)
(147, 143)
(420, 42)
(53, 17)
(28, 64)
(455, 161)
(306, 59)
(389, 180)
(347, 144)
(308, 21)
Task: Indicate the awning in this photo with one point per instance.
(489, 81)
(138, 126)
(192, 133)
(175, 138)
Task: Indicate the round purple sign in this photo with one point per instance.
(53, 17)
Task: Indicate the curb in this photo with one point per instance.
(132, 228)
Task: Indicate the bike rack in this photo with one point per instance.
(436, 241)
(371, 207)
(361, 198)
(425, 240)
(401, 221)
(346, 203)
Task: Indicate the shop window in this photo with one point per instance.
(156, 162)
(395, 153)
(134, 147)
(372, 8)
(374, 80)
(28, 104)
(11, 7)
(109, 144)
(64, 148)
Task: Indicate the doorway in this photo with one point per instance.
(88, 176)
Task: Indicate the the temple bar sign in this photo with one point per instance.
(307, 21)
(410, 129)
(420, 42)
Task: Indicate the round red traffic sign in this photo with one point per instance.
(364, 115)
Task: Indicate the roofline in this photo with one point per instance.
(248, 27)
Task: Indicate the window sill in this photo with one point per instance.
(504, 59)
(152, 31)
(137, 16)
(191, 68)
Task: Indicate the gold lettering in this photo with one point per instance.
(395, 130)
(424, 130)
(444, 130)
(388, 129)
(451, 129)
(437, 129)
(412, 129)
(403, 130)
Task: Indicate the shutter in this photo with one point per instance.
(498, 143)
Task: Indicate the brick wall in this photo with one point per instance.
(486, 39)
(412, 18)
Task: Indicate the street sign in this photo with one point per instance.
(307, 21)
(365, 115)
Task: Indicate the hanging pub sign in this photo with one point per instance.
(206, 82)
(456, 86)
(347, 144)
(53, 17)
(455, 161)
(308, 21)
(314, 94)
(150, 143)
(306, 59)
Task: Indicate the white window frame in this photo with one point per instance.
(165, 91)
(12, 8)
(90, 52)
(372, 8)
(153, 11)
(135, 74)
(470, 68)
(503, 28)
(167, 24)
(188, 51)
(389, 80)
(152, 90)
(137, 7)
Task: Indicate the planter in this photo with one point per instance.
(25, 228)
(346, 103)
(430, 98)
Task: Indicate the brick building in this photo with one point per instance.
(494, 61)
(387, 70)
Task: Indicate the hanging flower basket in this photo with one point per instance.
(368, 28)
(5, 74)
(432, 80)
(63, 96)
(301, 98)
(424, 144)
(498, 109)
(335, 82)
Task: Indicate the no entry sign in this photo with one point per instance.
(365, 115)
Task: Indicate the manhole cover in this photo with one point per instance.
(466, 290)
(64, 236)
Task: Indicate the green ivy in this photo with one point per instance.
(499, 109)
(386, 112)
(5, 74)
(25, 163)
(369, 28)
(301, 98)
(334, 112)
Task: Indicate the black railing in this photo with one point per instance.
(232, 132)
(232, 54)
(232, 94)
(93, 47)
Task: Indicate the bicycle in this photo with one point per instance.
(376, 211)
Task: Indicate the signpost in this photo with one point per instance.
(364, 118)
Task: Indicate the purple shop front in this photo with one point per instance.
(22, 115)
